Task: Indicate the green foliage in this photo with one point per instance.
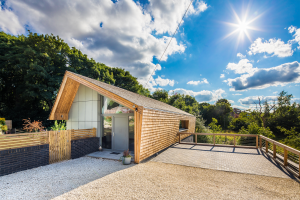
(183, 102)
(161, 95)
(220, 111)
(253, 128)
(214, 127)
(293, 137)
(59, 126)
(200, 125)
(31, 71)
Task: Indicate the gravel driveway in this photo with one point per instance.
(53, 180)
(90, 178)
(154, 180)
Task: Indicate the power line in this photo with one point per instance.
(169, 42)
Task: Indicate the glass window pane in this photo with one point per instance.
(131, 133)
(107, 132)
(111, 107)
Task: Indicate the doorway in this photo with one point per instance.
(120, 136)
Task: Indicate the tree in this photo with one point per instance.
(161, 95)
(214, 127)
(31, 71)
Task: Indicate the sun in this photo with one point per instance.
(242, 26)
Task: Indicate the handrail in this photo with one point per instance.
(295, 151)
(226, 134)
(285, 155)
(217, 134)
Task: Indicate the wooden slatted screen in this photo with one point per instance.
(14, 141)
(59, 146)
(83, 133)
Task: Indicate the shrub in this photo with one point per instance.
(293, 137)
(59, 126)
(214, 127)
(253, 128)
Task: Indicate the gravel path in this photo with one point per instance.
(53, 180)
(154, 180)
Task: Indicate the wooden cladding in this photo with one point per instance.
(64, 99)
(160, 130)
(14, 141)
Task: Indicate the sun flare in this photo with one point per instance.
(242, 26)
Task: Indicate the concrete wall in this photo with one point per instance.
(85, 110)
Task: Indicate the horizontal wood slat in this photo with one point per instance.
(15, 141)
(83, 133)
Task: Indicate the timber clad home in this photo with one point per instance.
(124, 119)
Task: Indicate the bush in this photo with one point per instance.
(293, 137)
(59, 126)
(253, 128)
(214, 127)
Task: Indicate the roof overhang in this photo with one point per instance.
(67, 93)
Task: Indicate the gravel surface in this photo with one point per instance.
(154, 180)
(53, 180)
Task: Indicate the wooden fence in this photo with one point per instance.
(286, 156)
(14, 141)
(59, 141)
(222, 139)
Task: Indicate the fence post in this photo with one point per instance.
(195, 138)
(234, 140)
(267, 146)
(214, 140)
(285, 157)
(257, 141)
(274, 151)
(94, 132)
(260, 142)
(179, 139)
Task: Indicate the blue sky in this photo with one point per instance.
(201, 61)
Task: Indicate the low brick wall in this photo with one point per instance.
(15, 160)
(83, 147)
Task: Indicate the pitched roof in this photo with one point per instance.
(135, 98)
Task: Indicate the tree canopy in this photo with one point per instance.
(32, 68)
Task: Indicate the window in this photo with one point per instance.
(183, 125)
(111, 107)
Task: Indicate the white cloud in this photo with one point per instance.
(293, 29)
(242, 107)
(164, 82)
(10, 22)
(241, 55)
(204, 81)
(254, 100)
(125, 38)
(222, 76)
(276, 47)
(230, 101)
(243, 66)
(266, 77)
(276, 92)
(168, 14)
(201, 96)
